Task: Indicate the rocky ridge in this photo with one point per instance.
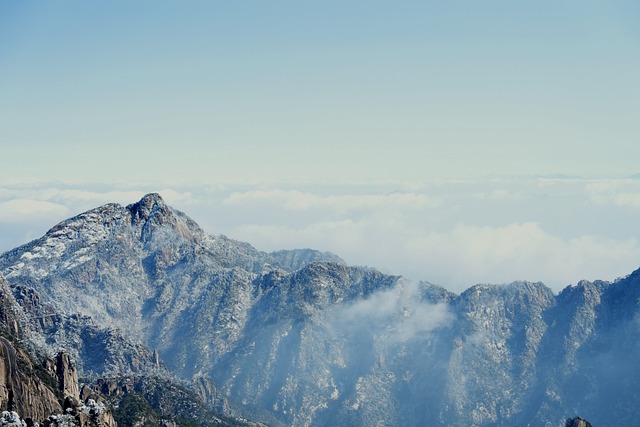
(49, 393)
(32, 393)
(300, 338)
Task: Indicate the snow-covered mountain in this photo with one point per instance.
(301, 338)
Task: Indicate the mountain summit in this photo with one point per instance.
(301, 338)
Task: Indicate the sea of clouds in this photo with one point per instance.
(454, 233)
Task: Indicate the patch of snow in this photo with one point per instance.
(93, 408)
(62, 421)
(335, 394)
(11, 418)
(53, 247)
(76, 262)
(14, 270)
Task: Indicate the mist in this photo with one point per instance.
(397, 315)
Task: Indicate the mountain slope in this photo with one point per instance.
(300, 338)
(49, 393)
(119, 264)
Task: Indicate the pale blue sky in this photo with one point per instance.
(405, 135)
(213, 91)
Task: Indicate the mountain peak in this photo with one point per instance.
(151, 199)
(141, 211)
(148, 201)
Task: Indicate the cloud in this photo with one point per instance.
(498, 194)
(172, 196)
(555, 231)
(463, 255)
(493, 231)
(27, 210)
(22, 220)
(622, 193)
(78, 200)
(526, 251)
(397, 313)
(295, 200)
(70, 196)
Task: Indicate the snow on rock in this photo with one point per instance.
(11, 419)
(311, 341)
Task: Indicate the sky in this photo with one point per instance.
(457, 142)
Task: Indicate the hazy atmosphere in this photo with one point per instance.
(457, 142)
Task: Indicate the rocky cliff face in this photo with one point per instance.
(300, 338)
(47, 393)
(20, 389)
(28, 393)
(67, 376)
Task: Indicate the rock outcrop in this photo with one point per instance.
(47, 393)
(577, 422)
(67, 376)
(206, 390)
(21, 389)
(32, 394)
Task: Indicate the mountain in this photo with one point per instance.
(301, 338)
(48, 392)
(33, 393)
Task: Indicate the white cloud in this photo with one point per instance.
(77, 200)
(622, 193)
(497, 194)
(70, 195)
(464, 255)
(295, 200)
(556, 231)
(26, 210)
(172, 196)
(398, 313)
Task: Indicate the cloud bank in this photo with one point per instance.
(453, 233)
